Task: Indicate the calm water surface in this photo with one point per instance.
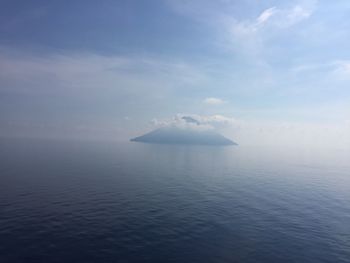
(129, 202)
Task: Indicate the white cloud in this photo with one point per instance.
(223, 14)
(266, 15)
(273, 17)
(254, 38)
(297, 14)
(197, 122)
(214, 101)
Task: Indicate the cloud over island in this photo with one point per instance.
(195, 122)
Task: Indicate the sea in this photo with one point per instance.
(74, 201)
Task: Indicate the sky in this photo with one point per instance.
(275, 71)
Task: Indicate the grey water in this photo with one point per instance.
(64, 201)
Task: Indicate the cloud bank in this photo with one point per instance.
(196, 122)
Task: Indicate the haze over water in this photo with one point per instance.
(85, 77)
(65, 201)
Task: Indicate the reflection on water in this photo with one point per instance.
(130, 202)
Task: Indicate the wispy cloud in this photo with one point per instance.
(92, 88)
(266, 15)
(335, 70)
(273, 17)
(89, 71)
(214, 101)
(237, 29)
(267, 58)
(342, 69)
